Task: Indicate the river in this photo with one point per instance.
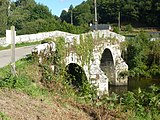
(134, 84)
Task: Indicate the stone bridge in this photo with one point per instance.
(98, 54)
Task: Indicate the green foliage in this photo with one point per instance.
(38, 25)
(5, 47)
(141, 13)
(53, 58)
(84, 49)
(88, 92)
(81, 15)
(72, 76)
(3, 116)
(108, 101)
(22, 44)
(143, 103)
(40, 12)
(3, 16)
(142, 56)
(116, 30)
(129, 28)
(28, 17)
(23, 81)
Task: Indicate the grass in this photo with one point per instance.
(29, 80)
(26, 80)
(3, 116)
(4, 48)
(26, 44)
(20, 45)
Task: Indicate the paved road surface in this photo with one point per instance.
(5, 55)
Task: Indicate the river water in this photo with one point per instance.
(134, 84)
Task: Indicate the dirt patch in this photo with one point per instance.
(19, 106)
(100, 113)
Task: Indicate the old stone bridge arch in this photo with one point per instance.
(105, 65)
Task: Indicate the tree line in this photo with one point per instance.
(31, 17)
(136, 12)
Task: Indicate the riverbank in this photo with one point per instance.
(27, 96)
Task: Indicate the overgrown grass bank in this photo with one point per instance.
(27, 78)
(138, 105)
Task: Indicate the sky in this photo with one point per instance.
(56, 6)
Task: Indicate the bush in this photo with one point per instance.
(143, 103)
(129, 28)
(3, 116)
(116, 30)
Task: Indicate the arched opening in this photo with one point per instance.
(76, 76)
(107, 65)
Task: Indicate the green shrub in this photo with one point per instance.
(143, 103)
(116, 30)
(129, 28)
(3, 116)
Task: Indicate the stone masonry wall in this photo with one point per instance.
(36, 37)
(93, 71)
(44, 35)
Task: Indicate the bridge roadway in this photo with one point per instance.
(21, 52)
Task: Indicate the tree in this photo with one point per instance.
(40, 12)
(18, 17)
(25, 4)
(65, 16)
(137, 55)
(82, 14)
(135, 12)
(4, 4)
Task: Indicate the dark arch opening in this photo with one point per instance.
(76, 76)
(107, 65)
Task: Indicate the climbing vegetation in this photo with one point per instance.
(85, 48)
(65, 74)
(73, 77)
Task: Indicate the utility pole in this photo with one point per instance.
(119, 21)
(71, 17)
(95, 14)
(13, 70)
(8, 12)
(9, 7)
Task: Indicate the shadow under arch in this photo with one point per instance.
(107, 65)
(76, 76)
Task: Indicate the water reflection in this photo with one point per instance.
(134, 84)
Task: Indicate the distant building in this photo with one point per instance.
(101, 27)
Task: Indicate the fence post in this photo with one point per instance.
(13, 70)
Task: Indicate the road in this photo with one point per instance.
(5, 55)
